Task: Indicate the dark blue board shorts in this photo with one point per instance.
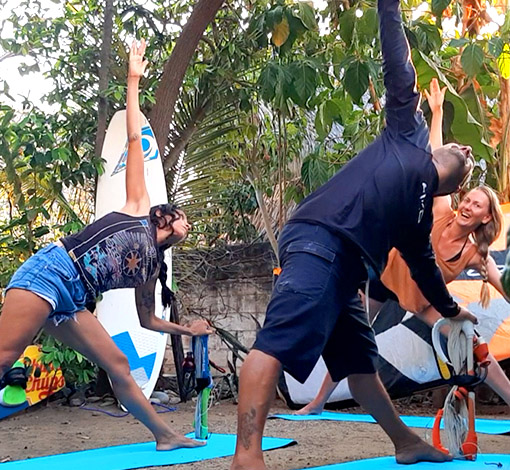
(315, 308)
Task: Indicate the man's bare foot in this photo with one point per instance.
(418, 450)
(309, 409)
(251, 465)
(177, 441)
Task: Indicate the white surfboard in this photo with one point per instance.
(116, 311)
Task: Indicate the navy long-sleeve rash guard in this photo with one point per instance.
(383, 197)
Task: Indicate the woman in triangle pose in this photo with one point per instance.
(122, 249)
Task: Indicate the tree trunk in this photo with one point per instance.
(265, 215)
(104, 71)
(181, 143)
(175, 68)
(504, 115)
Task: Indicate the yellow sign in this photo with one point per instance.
(43, 381)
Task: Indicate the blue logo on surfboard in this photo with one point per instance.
(149, 148)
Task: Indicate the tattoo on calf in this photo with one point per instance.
(247, 427)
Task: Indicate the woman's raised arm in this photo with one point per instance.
(137, 197)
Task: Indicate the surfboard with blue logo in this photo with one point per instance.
(116, 311)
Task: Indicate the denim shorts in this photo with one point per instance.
(315, 308)
(51, 275)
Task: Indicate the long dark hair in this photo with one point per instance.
(158, 217)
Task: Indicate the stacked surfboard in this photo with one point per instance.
(117, 310)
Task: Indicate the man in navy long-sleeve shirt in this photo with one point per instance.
(381, 199)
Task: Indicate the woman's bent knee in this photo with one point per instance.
(118, 367)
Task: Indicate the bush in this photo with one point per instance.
(77, 369)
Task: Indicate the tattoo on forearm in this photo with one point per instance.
(148, 300)
(247, 427)
(134, 137)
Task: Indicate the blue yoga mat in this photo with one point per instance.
(139, 455)
(483, 462)
(483, 426)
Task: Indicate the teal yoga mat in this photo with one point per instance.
(139, 455)
(483, 462)
(483, 426)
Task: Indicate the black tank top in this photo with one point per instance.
(116, 251)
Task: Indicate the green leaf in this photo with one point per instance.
(256, 30)
(472, 59)
(267, 81)
(326, 80)
(356, 80)
(458, 42)
(346, 23)
(368, 25)
(431, 37)
(41, 231)
(338, 54)
(274, 16)
(306, 14)
(496, 46)
(315, 171)
(304, 81)
(438, 6)
(329, 111)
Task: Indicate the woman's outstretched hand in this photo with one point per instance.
(200, 328)
(435, 97)
(137, 64)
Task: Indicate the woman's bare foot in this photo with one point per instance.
(418, 450)
(177, 441)
(310, 409)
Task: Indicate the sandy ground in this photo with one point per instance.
(56, 428)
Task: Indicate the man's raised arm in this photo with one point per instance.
(402, 97)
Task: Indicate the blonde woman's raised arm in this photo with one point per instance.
(435, 99)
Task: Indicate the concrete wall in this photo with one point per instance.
(231, 286)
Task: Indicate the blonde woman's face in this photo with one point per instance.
(474, 209)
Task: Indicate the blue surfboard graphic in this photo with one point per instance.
(126, 345)
(149, 148)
